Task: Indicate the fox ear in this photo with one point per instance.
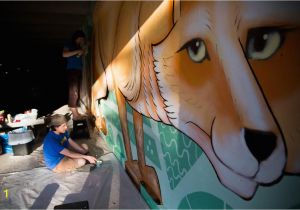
(176, 10)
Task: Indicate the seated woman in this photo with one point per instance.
(61, 153)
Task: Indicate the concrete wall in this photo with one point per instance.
(199, 100)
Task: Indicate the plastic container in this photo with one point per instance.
(22, 143)
(7, 149)
(2, 116)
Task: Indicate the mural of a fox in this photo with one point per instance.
(226, 74)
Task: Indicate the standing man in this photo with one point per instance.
(74, 52)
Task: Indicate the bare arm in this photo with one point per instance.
(67, 53)
(71, 154)
(77, 147)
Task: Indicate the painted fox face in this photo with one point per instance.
(229, 76)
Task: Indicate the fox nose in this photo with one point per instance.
(260, 143)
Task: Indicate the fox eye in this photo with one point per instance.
(196, 50)
(262, 43)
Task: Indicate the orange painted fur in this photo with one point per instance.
(224, 73)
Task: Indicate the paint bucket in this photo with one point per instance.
(7, 149)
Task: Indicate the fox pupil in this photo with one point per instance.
(260, 42)
(195, 46)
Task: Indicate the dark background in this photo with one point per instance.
(31, 76)
(32, 70)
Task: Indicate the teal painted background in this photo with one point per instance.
(186, 177)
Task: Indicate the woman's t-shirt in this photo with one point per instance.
(74, 62)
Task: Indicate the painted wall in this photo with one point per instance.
(199, 100)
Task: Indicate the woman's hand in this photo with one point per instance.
(80, 52)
